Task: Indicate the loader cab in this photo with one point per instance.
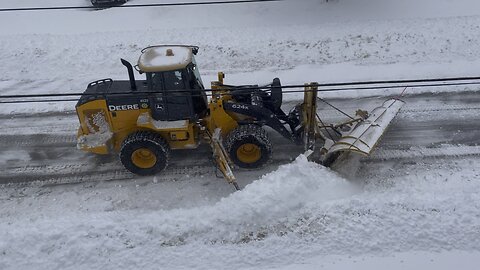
(177, 91)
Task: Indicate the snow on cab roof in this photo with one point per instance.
(164, 58)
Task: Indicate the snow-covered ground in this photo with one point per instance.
(420, 212)
(251, 43)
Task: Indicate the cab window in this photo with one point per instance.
(173, 80)
(168, 80)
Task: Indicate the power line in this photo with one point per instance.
(325, 87)
(328, 87)
(141, 5)
(37, 101)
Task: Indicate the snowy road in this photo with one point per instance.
(42, 148)
(418, 193)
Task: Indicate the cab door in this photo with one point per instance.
(157, 97)
(170, 99)
(178, 99)
(159, 107)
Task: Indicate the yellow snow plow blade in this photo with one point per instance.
(364, 136)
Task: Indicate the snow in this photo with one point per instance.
(93, 140)
(418, 213)
(145, 119)
(158, 59)
(230, 220)
(99, 132)
(324, 215)
(417, 260)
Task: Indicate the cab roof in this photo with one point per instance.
(165, 58)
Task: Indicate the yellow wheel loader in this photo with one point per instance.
(144, 120)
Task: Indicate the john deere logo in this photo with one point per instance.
(144, 105)
(123, 107)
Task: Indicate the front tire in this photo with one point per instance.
(249, 146)
(144, 153)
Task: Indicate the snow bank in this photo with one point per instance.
(300, 211)
(267, 207)
(275, 198)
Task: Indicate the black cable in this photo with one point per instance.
(248, 89)
(37, 101)
(325, 127)
(331, 105)
(394, 86)
(210, 95)
(142, 5)
(404, 81)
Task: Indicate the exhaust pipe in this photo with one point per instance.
(129, 67)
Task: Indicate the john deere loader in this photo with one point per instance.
(144, 120)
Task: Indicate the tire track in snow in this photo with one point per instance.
(51, 156)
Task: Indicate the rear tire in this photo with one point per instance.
(249, 146)
(144, 153)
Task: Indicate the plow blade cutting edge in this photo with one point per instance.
(365, 135)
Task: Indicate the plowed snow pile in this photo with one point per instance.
(270, 207)
(299, 211)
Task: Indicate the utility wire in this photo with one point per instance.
(141, 5)
(37, 101)
(209, 95)
(328, 87)
(336, 108)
